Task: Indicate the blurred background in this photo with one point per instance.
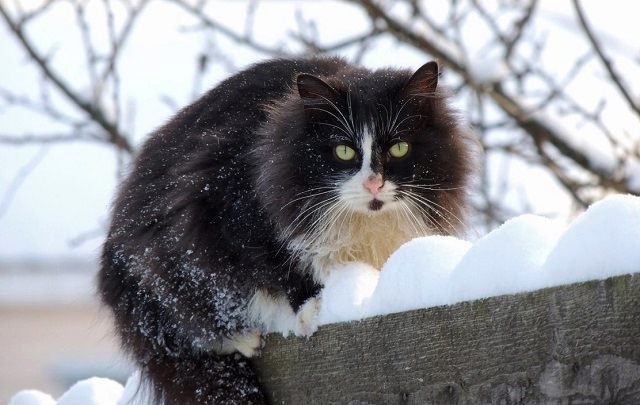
(550, 88)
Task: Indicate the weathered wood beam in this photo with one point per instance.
(571, 344)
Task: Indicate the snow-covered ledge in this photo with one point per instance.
(578, 342)
(533, 312)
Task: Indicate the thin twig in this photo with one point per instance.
(93, 111)
(10, 192)
(606, 62)
(218, 27)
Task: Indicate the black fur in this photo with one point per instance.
(203, 219)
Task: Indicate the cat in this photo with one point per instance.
(234, 212)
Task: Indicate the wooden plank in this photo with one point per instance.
(570, 344)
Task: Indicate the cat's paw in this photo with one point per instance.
(307, 318)
(248, 344)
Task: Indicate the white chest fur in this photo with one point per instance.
(352, 236)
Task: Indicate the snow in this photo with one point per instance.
(345, 291)
(524, 254)
(92, 391)
(32, 397)
(413, 274)
(95, 391)
(604, 242)
(511, 258)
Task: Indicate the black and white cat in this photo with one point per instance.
(236, 210)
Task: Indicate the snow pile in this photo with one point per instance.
(93, 391)
(525, 254)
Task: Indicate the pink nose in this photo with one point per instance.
(373, 184)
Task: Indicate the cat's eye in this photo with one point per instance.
(399, 149)
(345, 152)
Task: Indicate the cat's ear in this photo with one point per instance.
(423, 83)
(314, 90)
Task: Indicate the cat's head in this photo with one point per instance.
(366, 143)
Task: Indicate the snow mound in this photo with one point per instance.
(524, 254)
(602, 243)
(93, 391)
(506, 261)
(32, 397)
(413, 275)
(345, 291)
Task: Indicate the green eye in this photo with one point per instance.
(399, 149)
(344, 152)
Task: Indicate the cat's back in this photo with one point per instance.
(239, 100)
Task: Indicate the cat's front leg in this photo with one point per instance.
(274, 313)
(248, 344)
(306, 322)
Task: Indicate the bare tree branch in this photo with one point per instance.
(606, 62)
(197, 11)
(10, 192)
(93, 111)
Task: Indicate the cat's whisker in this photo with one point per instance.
(306, 213)
(315, 227)
(298, 226)
(436, 208)
(311, 232)
(424, 212)
(393, 126)
(315, 232)
(387, 118)
(408, 117)
(316, 194)
(417, 225)
(451, 214)
(334, 212)
(433, 187)
(342, 120)
(422, 207)
(339, 214)
(311, 190)
(310, 206)
(425, 95)
(403, 211)
(349, 107)
(338, 128)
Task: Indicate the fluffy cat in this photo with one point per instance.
(235, 211)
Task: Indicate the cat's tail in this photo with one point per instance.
(202, 379)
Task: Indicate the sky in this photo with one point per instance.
(54, 199)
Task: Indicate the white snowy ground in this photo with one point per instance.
(525, 254)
